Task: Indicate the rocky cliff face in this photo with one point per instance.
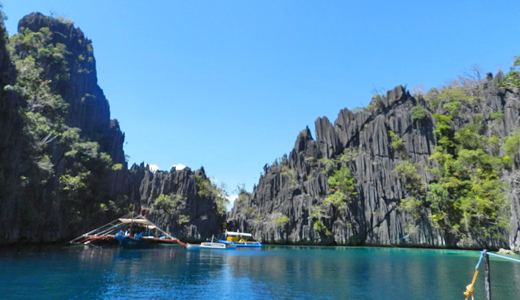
(194, 214)
(88, 109)
(280, 209)
(62, 164)
(11, 144)
(35, 145)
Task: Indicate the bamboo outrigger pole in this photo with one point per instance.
(488, 275)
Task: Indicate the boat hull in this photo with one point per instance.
(210, 246)
(242, 245)
(128, 242)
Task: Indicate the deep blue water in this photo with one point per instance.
(273, 272)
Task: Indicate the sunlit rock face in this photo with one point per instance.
(293, 186)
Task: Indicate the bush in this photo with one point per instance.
(512, 79)
(411, 205)
(408, 175)
(418, 113)
(343, 186)
(496, 116)
(468, 197)
(397, 144)
(318, 226)
(282, 221)
(512, 144)
(169, 204)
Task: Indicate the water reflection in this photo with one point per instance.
(273, 272)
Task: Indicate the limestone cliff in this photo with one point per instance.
(280, 208)
(88, 108)
(62, 164)
(11, 144)
(194, 214)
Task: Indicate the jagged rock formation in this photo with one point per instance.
(291, 187)
(88, 107)
(39, 210)
(200, 210)
(37, 206)
(57, 185)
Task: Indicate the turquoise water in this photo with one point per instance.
(273, 272)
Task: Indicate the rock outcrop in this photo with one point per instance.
(195, 216)
(49, 192)
(37, 206)
(294, 185)
(11, 145)
(88, 108)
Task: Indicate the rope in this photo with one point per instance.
(470, 287)
(504, 257)
(480, 260)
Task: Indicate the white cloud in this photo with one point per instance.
(153, 168)
(179, 167)
(231, 199)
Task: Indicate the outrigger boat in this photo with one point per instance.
(130, 232)
(240, 239)
(210, 245)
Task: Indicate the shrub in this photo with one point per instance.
(512, 144)
(496, 116)
(512, 79)
(468, 197)
(169, 204)
(408, 175)
(117, 167)
(397, 144)
(282, 221)
(343, 186)
(318, 226)
(411, 205)
(418, 113)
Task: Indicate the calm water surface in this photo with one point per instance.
(273, 272)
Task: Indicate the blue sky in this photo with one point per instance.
(229, 84)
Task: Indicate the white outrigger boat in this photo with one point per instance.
(210, 245)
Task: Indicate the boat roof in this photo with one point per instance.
(138, 221)
(233, 233)
(110, 229)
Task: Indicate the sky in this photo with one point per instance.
(228, 85)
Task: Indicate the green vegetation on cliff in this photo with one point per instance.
(512, 79)
(59, 161)
(173, 206)
(466, 197)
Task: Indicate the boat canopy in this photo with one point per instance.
(138, 221)
(108, 231)
(232, 233)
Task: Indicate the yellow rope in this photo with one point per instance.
(470, 288)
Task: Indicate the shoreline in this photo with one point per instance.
(30, 245)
